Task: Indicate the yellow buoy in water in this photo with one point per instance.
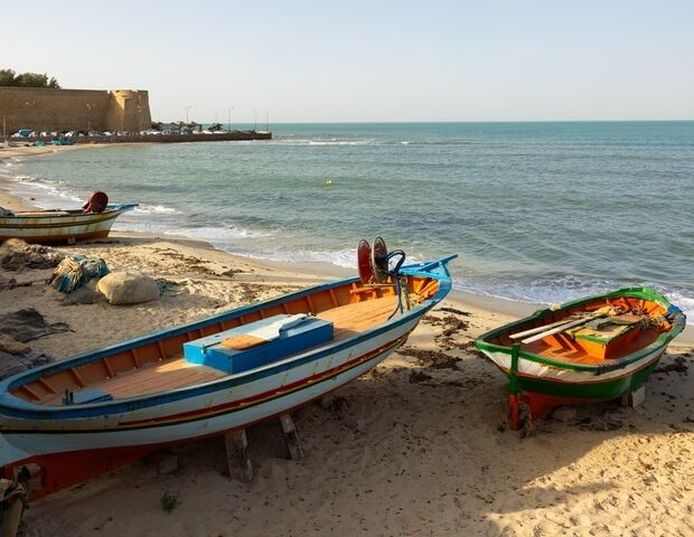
(328, 182)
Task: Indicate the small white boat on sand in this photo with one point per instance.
(56, 226)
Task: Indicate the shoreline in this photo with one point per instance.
(319, 270)
(309, 270)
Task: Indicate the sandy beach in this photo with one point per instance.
(419, 446)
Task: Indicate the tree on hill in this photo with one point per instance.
(27, 80)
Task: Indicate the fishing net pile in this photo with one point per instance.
(16, 329)
(15, 254)
(75, 271)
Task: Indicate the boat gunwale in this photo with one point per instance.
(646, 293)
(110, 210)
(11, 405)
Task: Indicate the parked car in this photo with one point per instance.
(22, 133)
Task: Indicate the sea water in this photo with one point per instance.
(538, 212)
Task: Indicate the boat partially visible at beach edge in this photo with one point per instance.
(593, 349)
(58, 226)
(63, 423)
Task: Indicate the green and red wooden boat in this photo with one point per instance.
(588, 350)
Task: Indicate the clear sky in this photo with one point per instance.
(368, 60)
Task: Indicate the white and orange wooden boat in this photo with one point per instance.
(63, 423)
(57, 226)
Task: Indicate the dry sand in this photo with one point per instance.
(418, 446)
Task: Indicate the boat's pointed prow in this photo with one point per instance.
(437, 268)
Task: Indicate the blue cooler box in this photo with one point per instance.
(208, 351)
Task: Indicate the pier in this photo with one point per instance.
(150, 138)
(172, 138)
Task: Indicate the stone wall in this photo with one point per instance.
(43, 109)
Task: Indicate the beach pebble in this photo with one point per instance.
(128, 288)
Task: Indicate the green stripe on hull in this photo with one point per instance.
(598, 391)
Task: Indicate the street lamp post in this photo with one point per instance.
(229, 118)
(187, 109)
(29, 105)
(89, 117)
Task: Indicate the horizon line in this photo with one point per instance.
(455, 121)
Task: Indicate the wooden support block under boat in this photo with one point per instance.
(291, 437)
(238, 461)
(634, 398)
(12, 498)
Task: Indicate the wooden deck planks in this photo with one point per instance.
(176, 373)
(158, 377)
(165, 376)
(579, 356)
(360, 316)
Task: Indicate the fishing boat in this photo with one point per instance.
(592, 349)
(66, 422)
(58, 226)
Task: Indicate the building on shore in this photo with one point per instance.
(46, 109)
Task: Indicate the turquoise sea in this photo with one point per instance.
(539, 212)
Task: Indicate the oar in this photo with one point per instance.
(543, 327)
(602, 312)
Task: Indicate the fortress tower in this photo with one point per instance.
(45, 109)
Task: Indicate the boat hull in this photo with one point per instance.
(72, 458)
(580, 385)
(55, 227)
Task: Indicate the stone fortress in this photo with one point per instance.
(44, 109)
